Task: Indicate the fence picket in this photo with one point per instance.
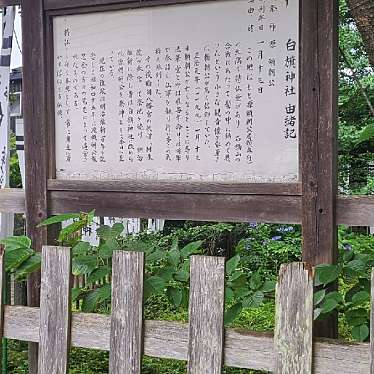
(372, 325)
(206, 311)
(293, 336)
(54, 329)
(127, 313)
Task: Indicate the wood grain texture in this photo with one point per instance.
(355, 211)
(206, 311)
(12, 200)
(4, 3)
(318, 118)
(199, 207)
(293, 336)
(78, 5)
(126, 338)
(243, 349)
(54, 330)
(287, 189)
(34, 111)
(372, 325)
(318, 102)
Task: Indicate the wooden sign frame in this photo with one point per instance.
(311, 202)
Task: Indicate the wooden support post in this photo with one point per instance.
(318, 118)
(293, 336)
(206, 311)
(2, 285)
(34, 110)
(126, 333)
(372, 325)
(55, 308)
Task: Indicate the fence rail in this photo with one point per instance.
(289, 352)
(351, 211)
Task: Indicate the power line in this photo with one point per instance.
(17, 41)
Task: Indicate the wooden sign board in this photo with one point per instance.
(202, 92)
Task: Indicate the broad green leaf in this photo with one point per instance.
(325, 274)
(360, 297)
(75, 293)
(106, 249)
(118, 229)
(98, 274)
(256, 281)
(254, 300)
(157, 255)
(352, 315)
(334, 295)
(190, 249)
(59, 219)
(229, 294)
(81, 248)
(174, 295)
(182, 276)
(73, 229)
(174, 257)
(268, 286)
(83, 265)
(319, 296)
(241, 292)
(93, 298)
(15, 242)
(235, 275)
(367, 134)
(232, 264)
(356, 266)
(232, 313)
(166, 273)
(153, 286)
(360, 333)
(16, 257)
(104, 232)
(329, 305)
(27, 267)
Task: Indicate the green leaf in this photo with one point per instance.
(254, 300)
(360, 333)
(16, 242)
(334, 295)
(81, 248)
(317, 313)
(325, 274)
(367, 134)
(118, 229)
(166, 273)
(106, 249)
(75, 293)
(156, 256)
(190, 249)
(98, 274)
(182, 276)
(329, 305)
(319, 296)
(232, 264)
(32, 264)
(268, 286)
(235, 275)
(351, 316)
(256, 281)
(16, 257)
(104, 232)
(241, 292)
(356, 266)
(59, 219)
(93, 298)
(229, 294)
(83, 265)
(174, 295)
(361, 297)
(153, 286)
(233, 312)
(174, 257)
(73, 229)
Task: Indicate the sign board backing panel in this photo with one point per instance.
(194, 92)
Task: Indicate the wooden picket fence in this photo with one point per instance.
(203, 342)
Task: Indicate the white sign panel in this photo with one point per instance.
(201, 91)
